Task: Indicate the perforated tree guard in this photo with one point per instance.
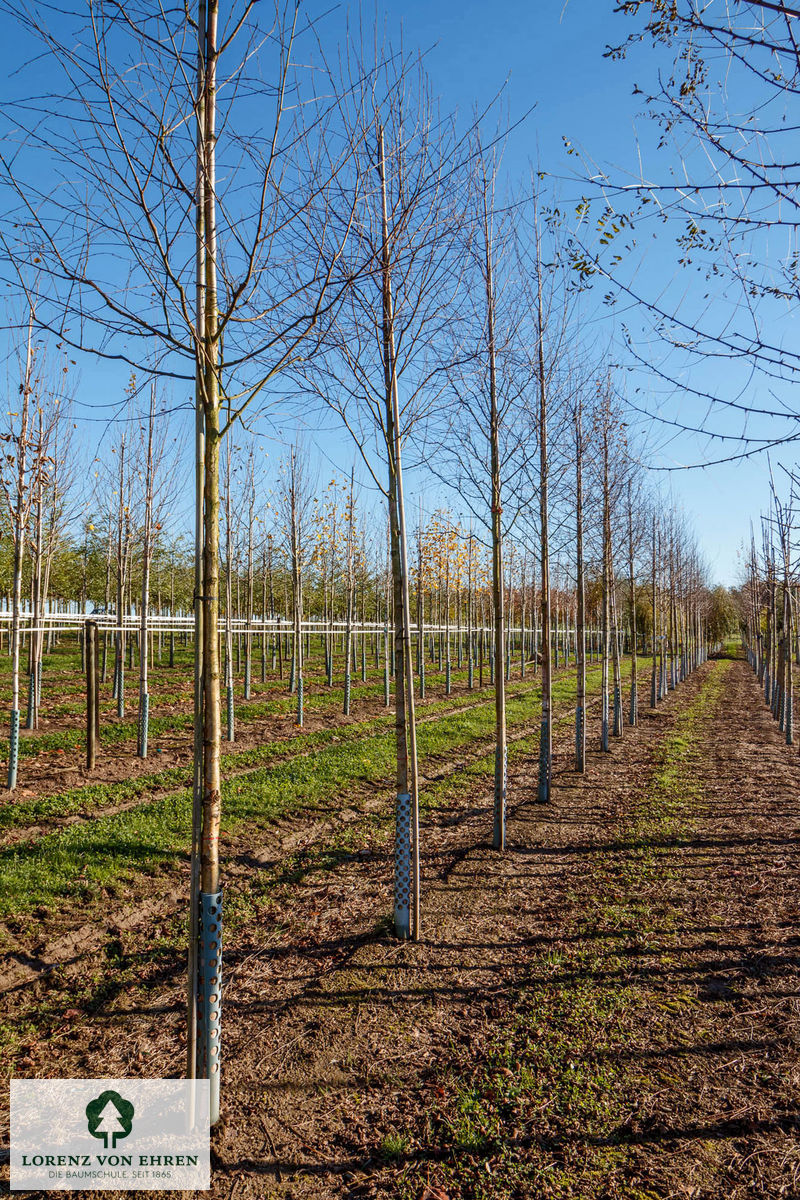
(545, 764)
(209, 995)
(31, 699)
(402, 867)
(500, 790)
(13, 749)
(144, 725)
(121, 690)
(300, 700)
(579, 742)
(229, 709)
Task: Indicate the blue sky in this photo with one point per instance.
(550, 52)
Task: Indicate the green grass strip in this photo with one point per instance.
(544, 1106)
(85, 800)
(74, 863)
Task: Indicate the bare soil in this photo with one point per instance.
(62, 939)
(347, 1053)
(55, 770)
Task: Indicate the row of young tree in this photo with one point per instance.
(622, 574)
(290, 234)
(768, 605)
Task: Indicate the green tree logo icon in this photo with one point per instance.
(109, 1116)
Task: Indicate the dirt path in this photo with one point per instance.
(719, 1107)
(609, 1010)
(62, 936)
(347, 1074)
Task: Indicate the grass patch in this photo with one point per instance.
(75, 864)
(87, 799)
(538, 1105)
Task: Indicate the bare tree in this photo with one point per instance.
(187, 214)
(550, 320)
(50, 509)
(484, 446)
(155, 485)
(295, 504)
(350, 588)
(21, 467)
(580, 590)
(726, 207)
(381, 371)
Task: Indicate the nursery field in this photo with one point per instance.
(606, 1010)
(73, 841)
(390, 754)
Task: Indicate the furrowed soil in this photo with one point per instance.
(115, 856)
(609, 1009)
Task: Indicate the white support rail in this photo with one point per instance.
(179, 623)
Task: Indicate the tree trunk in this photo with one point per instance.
(208, 347)
(498, 586)
(147, 553)
(580, 620)
(19, 523)
(546, 738)
(407, 877)
(633, 712)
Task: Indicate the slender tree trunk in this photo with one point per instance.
(580, 620)
(147, 553)
(119, 669)
(35, 640)
(788, 702)
(208, 343)
(107, 598)
(546, 738)
(248, 637)
(654, 602)
(407, 876)
(617, 665)
(498, 585)
(633, 712)
(19, 523)
(606, 631)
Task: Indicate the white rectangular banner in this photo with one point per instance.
(110, 1134)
